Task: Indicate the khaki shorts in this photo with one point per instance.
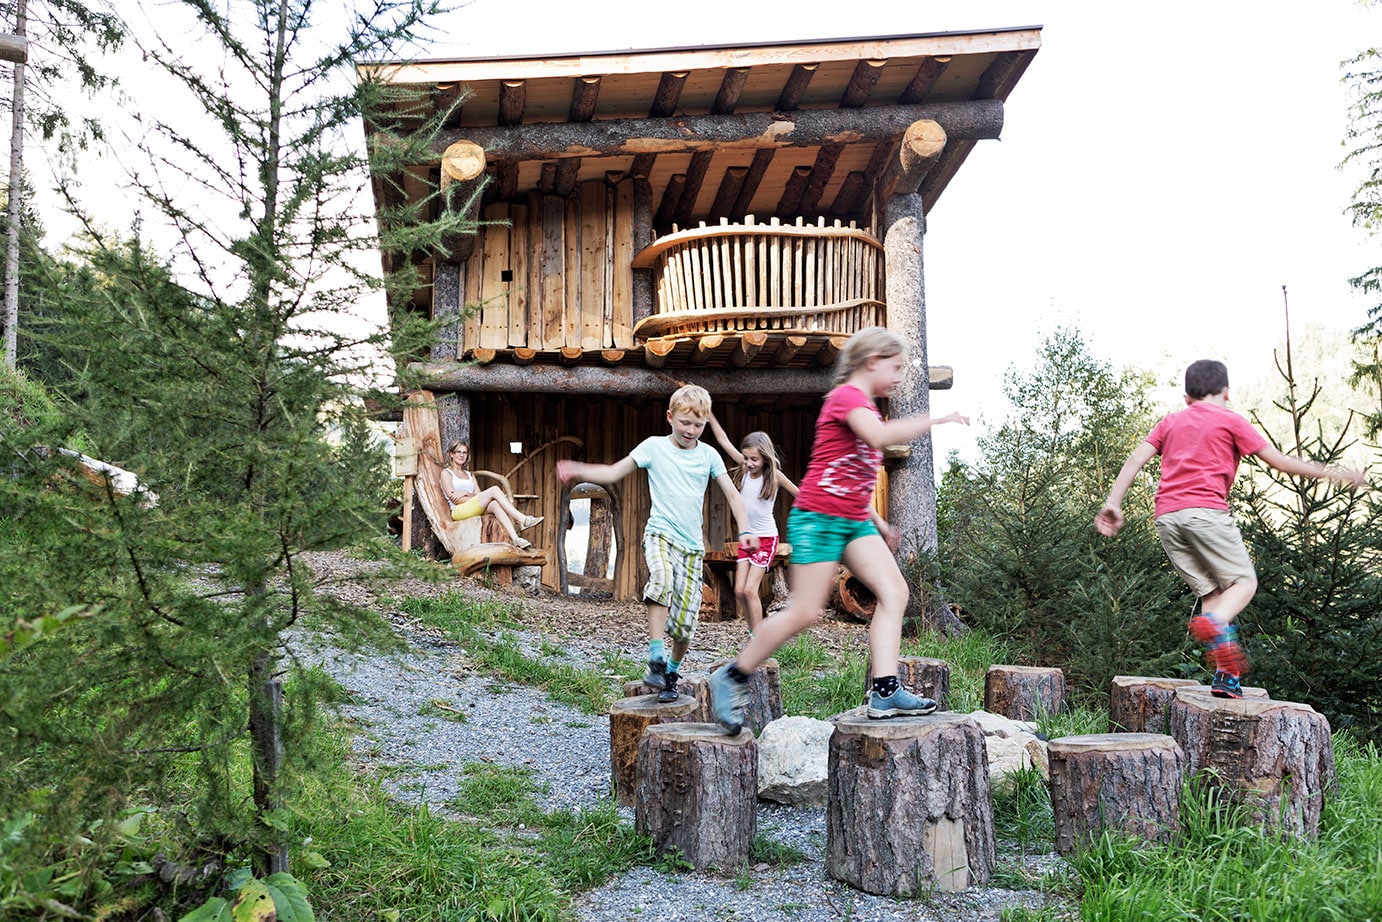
(1205, 547)
(674, 581)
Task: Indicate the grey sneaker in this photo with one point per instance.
(900, 702)
(727, 700)
(669, 691)
(529, 521)
(522, 543)
(657, 674)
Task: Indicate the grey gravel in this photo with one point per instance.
(424, 715)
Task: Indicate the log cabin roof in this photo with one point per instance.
(668, 93)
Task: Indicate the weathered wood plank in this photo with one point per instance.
(621, 264)
(553, 272)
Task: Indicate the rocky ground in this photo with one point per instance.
(425, 713)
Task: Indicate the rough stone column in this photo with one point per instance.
(911, 481)
(447, 285)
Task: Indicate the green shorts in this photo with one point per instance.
(816, 537)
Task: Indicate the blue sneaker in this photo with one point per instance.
(1226, 685)
(656, 676)
(900, 702)
(727, 700)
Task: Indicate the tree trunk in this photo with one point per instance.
(1024, 692)
(1275, 759)
(16, 197)
(1126, 782)
(601, 529)
(266, 741)
(628, 718)
(691, 685)
(697, 793)
(1142, 704)
(909, 804)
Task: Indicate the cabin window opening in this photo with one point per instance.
(506, 275)
(590, 542)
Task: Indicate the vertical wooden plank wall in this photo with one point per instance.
(569, 268)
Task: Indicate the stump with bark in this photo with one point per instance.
(697, 793)
(765, 694)
(920, 675)
(628, 718)
(1127, 782)
(1273, 759)
(691, 685)
(1142, 704)
(1024, 692)
(909, 805)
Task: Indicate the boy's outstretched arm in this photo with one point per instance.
(736, 508)
(723, 438)
(1110, 517)
(1289, 464)
(575, 471)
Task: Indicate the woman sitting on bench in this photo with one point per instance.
(467, 500)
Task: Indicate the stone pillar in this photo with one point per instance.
(447, 284)
(911, 481)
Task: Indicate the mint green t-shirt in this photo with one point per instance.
(677, 478)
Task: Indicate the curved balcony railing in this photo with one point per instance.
(787, 278)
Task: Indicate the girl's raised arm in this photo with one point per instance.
(785, 483)
(734, 453)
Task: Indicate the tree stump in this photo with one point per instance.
(697, 793)
(1024, 692)
(765, 694)
(851, 598)
(908, 804)
(1128, 782)
(628, 718)
(920, 675)
(691, 685)
(1275, 759)
(1142, 704)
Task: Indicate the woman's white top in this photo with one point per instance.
(760, 511)
(461, 483)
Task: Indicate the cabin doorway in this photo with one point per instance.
(589, 541)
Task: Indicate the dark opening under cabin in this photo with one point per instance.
(725, 216)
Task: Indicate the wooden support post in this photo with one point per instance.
(697, 793)
(447, 285)
(643, 235)
(920, 675)
(1024, 692)
(940, 833)
(795, 87)
(1122, 782)
(1275, 759)
(628, 718)
(584, 93)
(266, 735)
(765, 693)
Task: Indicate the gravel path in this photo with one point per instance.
(423, 715)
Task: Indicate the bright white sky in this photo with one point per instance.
(1163, 170)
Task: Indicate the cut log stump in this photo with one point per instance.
(908, 804)
(1274, 759)
(691, 685)
(1127, 782)
(1142, 704)
(920, 675)
(697, 793)
(1024, 692)
(628, 718)
(765, 694)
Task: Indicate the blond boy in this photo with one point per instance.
(679, 466)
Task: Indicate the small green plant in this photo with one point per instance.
(278, 896)
(765, 850)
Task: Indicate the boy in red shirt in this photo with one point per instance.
(1200, 448)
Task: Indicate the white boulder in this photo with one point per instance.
(793, 757)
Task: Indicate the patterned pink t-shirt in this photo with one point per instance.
(1200, 448)
(843, 469)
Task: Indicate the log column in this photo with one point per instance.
(1128, 782)
(697, 793)
(1273, 758)
(691, 685)
(909, 804)
(1142, 704)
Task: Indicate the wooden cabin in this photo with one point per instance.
(726, 216)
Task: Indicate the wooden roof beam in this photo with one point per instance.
(695, 177)
(728, 193)
(513, 98)
(999, 78)
(920, 150)
(668, 94)
(850, 199)
(730, 89)
(972, 120)
(792, 192)
(821, 171)
(861, 82)
(642, 166)
(567, 172)
(671, 199)
(762, 159)
(585, 91)
(924, 80)
(795, 87)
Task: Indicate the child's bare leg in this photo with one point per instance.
(810, 589)
(657, 621)
(871, 562)
(747, 578)
(1226, 604)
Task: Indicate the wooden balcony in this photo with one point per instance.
(729, 284)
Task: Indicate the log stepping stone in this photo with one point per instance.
(1126, 782)
(628, 718)
(1024, 692)
(920, 675)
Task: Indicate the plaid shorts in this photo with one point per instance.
(674, 581)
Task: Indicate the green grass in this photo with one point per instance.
(483, 629)
(817, 683)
